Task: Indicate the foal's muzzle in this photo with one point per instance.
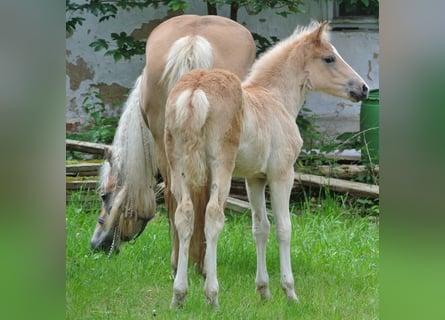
(358, 92)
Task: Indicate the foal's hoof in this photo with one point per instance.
(212, 300)
(264, 292)
(177, 302)
(292, 297)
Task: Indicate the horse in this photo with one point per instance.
(127, 183)
(218, 127)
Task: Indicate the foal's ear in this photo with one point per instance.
(317, 35)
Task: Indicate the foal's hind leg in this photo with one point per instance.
(260, 230)
(221, 174)
(280, 194)
(184, 217)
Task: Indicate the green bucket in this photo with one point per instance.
(369, 128)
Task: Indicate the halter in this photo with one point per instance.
(132, 214)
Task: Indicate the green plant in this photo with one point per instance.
(366, 7)
(99, 127)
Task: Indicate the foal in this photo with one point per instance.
(217, 126)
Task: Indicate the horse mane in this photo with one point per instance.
(273, 53)
(132, 164)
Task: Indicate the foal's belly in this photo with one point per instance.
(249, 164)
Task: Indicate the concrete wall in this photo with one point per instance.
(88, 71)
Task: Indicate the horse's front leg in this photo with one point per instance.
(184, 224)
(280, 195)
(260, 230)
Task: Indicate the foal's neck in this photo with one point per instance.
(281, 72)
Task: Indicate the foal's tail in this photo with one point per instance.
(186, 54)
(192, 108)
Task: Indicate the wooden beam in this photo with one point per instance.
(87, 147)
(82, 169)
(339, 185)
(237, 205)
(81, 184)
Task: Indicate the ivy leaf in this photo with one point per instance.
(99, 44)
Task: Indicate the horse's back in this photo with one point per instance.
(232, 44)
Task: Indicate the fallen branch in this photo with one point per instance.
(347, 171)
(339, 185)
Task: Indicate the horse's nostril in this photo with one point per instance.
(365, 89)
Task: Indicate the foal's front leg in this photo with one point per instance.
(280, 195)
(260, 230)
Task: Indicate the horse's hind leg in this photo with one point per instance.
(260, 230)
(221, 174)
(280, 194)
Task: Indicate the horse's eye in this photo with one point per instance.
(329, 59)
(104, 196)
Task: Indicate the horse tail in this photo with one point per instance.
(132, 158)
(187, 53)
(192, 108)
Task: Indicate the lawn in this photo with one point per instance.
(335, 252)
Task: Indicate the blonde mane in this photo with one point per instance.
(132, 168)
(270, 56)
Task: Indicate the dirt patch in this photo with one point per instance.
(78, 72)
(112, 94)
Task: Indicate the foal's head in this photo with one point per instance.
(119, 219)
(326, 69)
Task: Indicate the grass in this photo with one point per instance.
(334, 258)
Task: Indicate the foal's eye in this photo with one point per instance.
(329, 59)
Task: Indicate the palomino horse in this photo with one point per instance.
(127, 183)
(217, 126)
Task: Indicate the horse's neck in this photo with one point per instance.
(282, 76)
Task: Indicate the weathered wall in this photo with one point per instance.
(88, 71)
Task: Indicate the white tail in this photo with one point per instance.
(191, 114)
(186, 54)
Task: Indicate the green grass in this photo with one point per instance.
(334, 258)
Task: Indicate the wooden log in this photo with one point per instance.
(339, 185)
(72, 185)
(347, 171)
(237, 205)
(87, 147)
(82, 169)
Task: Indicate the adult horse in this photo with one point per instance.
(216, 126)
(127, 184)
